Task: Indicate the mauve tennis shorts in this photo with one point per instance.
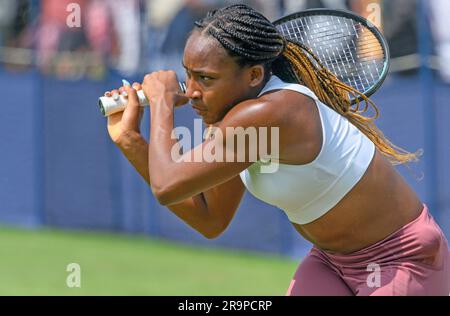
(413, 261)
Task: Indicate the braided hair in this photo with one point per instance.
(251, 39)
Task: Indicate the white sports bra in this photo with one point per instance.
(307, 192)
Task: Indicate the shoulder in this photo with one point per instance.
(294, 115)
(282, 108)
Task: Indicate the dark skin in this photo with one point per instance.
(207, 195)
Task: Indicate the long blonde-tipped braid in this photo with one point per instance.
(335, 94)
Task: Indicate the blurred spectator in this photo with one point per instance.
(160, 13)
(292, 6)
(183, 22)
(440, 17)
(114, 32)
(171, 22)
(400, 26)
(14, 17)
(332, 4)
(98, 27)
(8, 11)
(126, 19)
(367, 9)
(54, 34)
(361, 7)
(110, 30)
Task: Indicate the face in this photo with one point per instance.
(215, 82)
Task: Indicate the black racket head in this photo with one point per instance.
(347, 44)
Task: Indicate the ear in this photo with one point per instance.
(257, 74)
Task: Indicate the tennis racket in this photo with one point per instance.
(346, 44)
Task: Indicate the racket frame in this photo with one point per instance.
(350, 15)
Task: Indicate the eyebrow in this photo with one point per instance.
(199, 71)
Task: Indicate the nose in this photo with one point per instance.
(192, 90)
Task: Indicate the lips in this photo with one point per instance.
(198, 109)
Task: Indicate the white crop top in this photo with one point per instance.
(307, 192)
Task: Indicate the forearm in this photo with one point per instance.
(192, 211)
(135, 148)
(160, 161)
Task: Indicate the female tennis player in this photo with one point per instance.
(335, 180)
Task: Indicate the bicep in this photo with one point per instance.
(238, 142)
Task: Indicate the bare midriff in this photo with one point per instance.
(379, 205)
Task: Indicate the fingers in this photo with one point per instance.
(137, 86)
(116, 93)
(131, 94)
(127, 89)
(133, 112)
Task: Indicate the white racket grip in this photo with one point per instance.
(109, 106)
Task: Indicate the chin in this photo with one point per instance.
(210, 121)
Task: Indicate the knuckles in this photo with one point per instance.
(148, 77)
(160, 75)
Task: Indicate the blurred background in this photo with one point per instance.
(67, 195)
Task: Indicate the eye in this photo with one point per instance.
(205, 78)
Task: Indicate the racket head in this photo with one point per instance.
(347, 44)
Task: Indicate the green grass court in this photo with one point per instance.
(34, 262)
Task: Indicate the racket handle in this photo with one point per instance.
(109, 106)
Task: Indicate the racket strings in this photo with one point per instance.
(339, 91)
(345, 46)
(314, 74)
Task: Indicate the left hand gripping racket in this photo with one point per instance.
(109, 106)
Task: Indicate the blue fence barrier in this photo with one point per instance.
(59, 168)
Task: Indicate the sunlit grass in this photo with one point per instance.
(35, 262)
